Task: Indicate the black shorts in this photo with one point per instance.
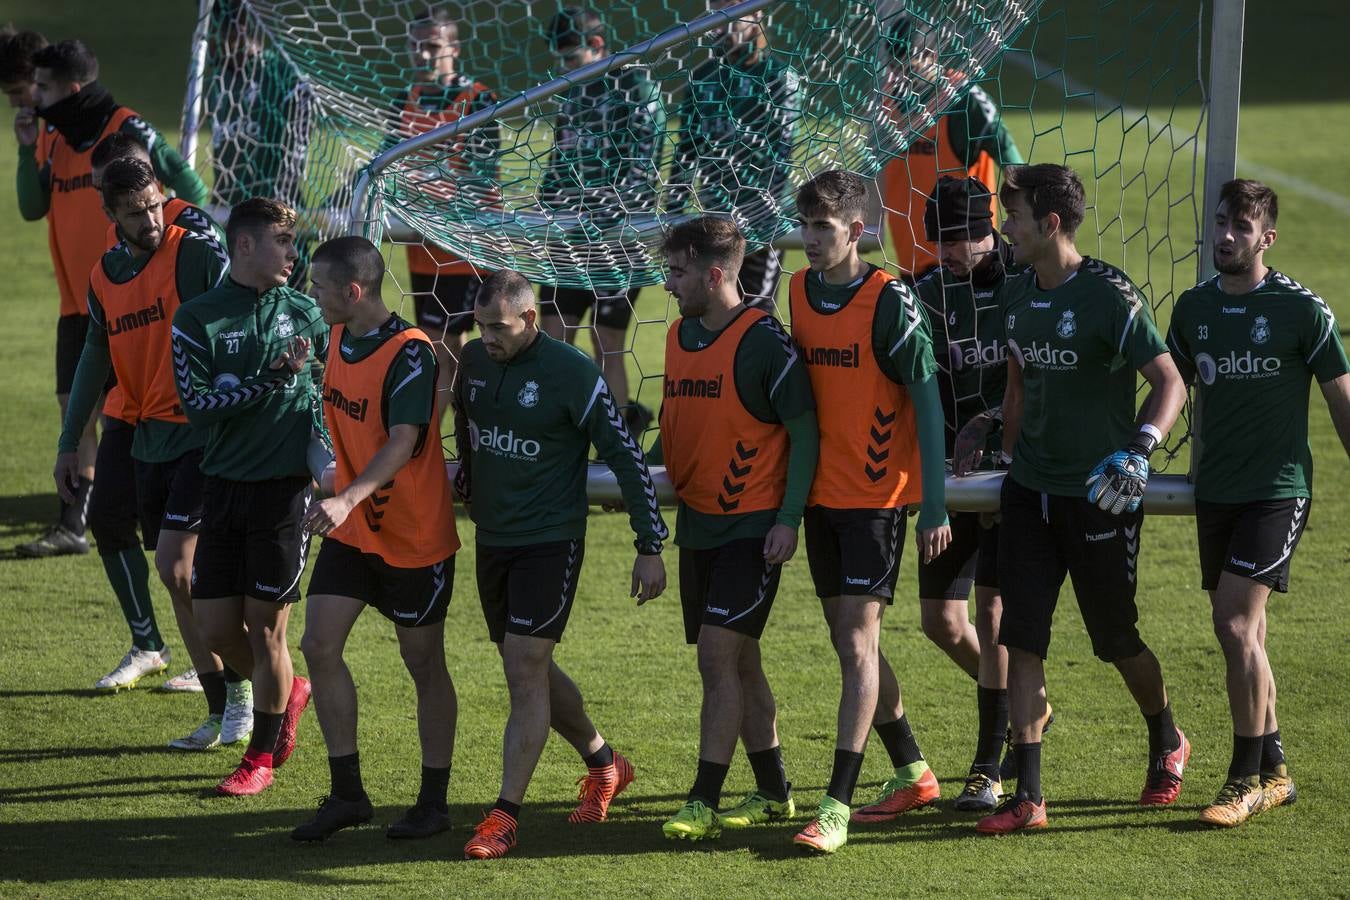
(1255, 540)
(758, 280)
(1043, 537)
(970, 559)
(113, 513)
(252, 543)
(443, 304)
(529, 590)
(613, 310)
(854, 552)
(730, 586)
(70, 333)
(170, 496)
(407, 597)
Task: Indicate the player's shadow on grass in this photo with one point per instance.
(46, 754)
(24, 516)
(56, 692)
(84, 790)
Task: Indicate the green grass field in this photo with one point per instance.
(92, 805)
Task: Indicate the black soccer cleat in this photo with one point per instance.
(334, 815)
(420, 821)
(58, 541)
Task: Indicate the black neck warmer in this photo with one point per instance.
(81, 117)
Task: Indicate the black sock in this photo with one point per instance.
(74, 515)
(435, 787)
(345, 772)
(770, 777)
(231, 676)
(213, 686)
(266, 727)
(708, 783)
(1162, 734)
(844, 776)
(1246, 756)
(506, 806)
(899, 742)
(600, 758)
(1272, 752)
(1028, 770)
(993, 709)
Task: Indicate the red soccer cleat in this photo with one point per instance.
(1162, 784)
(245, 781)
(1016, 814)
(295, 708)
(599, 787)
(493, 837)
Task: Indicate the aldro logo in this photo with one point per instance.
(974, 354)
(1044, 356)
(501, 442)
(1236, 368)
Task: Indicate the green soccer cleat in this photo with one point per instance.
(828, 831)
(756, 809)
(695, 821)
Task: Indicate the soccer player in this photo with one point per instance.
(1251, 339)
(177, 211)
(961, 302)
(970, 140)
(54, 181)
(245, 378)
(1078, 331)
(527, 410)
(133, 292)
(388, 534)
(443, 285)
(738, 435)
(605, 164)
(736, 124)
(16, 71)
(868, 349)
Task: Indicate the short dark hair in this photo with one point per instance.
(574, 26)
(509, 286)
(836, 194)
(1047, 188)
(353, 259)
(438, 17)
(69, 61)
(1251, 200)
(255, 214)
(126, 176)
(712, 240)
(17, 49)
(118, 145)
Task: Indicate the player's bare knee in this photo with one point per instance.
(941, 625)
(424, 663)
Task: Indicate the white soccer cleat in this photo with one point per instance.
(134, 666)
(188, 682)
(238, 722)
(206, 737)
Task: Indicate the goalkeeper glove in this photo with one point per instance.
(1117, 483)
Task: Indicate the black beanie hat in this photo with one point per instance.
(959, 209)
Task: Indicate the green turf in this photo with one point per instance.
(90, 805)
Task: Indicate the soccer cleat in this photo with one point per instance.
(295, 708)
(1018, 813)
(134, 666)
(979, 795)
(420, 821)
(1237, 802)
(828, 831)
(58, 541)
(187, 683)
(900, 795)
(756, 809)
(1277, 789)
(334, 815)
(695, 821)
(1162, 784)
(248, 779)
(206, 737)
(1007, 770)
(237, 724)
(493, 837)
(599, 787)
